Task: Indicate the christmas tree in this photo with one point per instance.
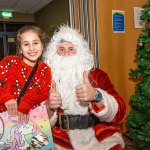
(138, 120)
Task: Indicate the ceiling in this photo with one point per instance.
(23, 6)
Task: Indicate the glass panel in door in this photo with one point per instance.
(1, 48)
(12, 45)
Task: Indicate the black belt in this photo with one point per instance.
(71, 122)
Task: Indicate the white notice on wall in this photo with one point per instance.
(137, 14)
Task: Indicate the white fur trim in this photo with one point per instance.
(53, 119)
(85, 140)
(110, 107)
(111, 141)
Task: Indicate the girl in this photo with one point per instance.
(14, 71)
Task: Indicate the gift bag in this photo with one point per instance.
(31, 135)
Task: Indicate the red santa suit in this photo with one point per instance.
(13, 75)
(111, 115)
(67, 74)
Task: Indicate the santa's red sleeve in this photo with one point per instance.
(33, 98)
(113, 109)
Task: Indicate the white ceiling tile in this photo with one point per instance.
(23, 6)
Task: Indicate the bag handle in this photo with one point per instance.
(27, 83)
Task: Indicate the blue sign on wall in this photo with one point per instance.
(118, 21)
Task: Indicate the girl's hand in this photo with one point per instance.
(11, 106)
(22, 117)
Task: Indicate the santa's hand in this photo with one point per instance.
(85, 92)
(55, 99)
(11, 106)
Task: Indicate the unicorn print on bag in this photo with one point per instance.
(18, 136)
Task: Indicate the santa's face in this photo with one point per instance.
(66, 49)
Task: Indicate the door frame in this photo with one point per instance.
(3, 36)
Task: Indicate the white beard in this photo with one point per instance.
(67, 72)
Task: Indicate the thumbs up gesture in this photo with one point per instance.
(85, 92)
(55, 99)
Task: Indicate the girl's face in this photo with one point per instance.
(31, 47)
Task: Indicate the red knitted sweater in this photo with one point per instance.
(13, 75)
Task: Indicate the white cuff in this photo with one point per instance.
(110, 107)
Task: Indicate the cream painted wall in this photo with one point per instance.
(52, 15)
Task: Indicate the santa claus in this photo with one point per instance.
(85, 109)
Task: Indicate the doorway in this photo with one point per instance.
(2, 47)
(7, 45)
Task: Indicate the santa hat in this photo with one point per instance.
(68, 34)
